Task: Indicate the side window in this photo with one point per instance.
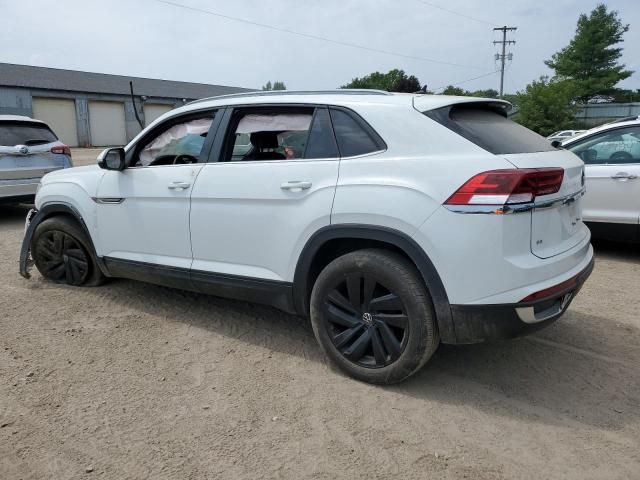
(353, 139)
(181, 143)
(618, 146)
(258, 134)
(322, 143)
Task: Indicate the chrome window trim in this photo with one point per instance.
(517, 208)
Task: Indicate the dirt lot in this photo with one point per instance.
(136, 381)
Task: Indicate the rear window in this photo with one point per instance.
(21, 133)
(489, 129)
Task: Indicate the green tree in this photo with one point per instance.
(393, 81)
(591, 59)
(488, 93)
(624, 96)
(451, 90)
(275, 86)
(547, 105)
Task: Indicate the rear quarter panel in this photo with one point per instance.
(424, 163)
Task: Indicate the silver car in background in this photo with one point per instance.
(28, 150)
(564, 135)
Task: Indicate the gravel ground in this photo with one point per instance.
(131, 380)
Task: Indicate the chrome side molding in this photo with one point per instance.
(108, 200)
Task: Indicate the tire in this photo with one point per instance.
(63, 254)
(383, 340)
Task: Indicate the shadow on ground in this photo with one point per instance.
(546, 377)
(582, 370)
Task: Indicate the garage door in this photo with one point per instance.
(106, 121)
(60, 115)
(153, 111)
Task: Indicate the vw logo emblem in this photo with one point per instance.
(367, 318)
(23, 149)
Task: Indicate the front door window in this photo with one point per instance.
(181, 143)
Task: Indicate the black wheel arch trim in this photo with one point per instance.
(301, 286)
(48, 210)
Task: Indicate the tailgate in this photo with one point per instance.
(17, 166)
(556, 220)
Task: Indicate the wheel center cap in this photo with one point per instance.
(65, 259)
(367, 318)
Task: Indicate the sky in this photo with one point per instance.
(441, 42)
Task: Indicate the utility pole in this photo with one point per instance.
(502, 57)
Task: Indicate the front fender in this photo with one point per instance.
(35, 217)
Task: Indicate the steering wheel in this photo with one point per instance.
(184, 159)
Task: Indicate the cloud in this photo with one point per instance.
(151, 39)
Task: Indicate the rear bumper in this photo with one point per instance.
(482, 323)
(18, 188)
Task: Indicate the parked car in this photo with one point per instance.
(405, 221)
(563, 135)
(611, 154)
(28, 150)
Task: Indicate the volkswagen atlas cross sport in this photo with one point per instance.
(28, 150)
(395, 222)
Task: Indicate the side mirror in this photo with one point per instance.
(112, 159)
(556, 144)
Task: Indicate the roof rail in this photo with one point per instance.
(625, 119)
(265, 93)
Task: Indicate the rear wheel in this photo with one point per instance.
(373, 317)
(62, 254)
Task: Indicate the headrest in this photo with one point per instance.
(264, 139)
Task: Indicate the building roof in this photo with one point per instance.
(27, 76)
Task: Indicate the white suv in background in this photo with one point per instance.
(28, 150)
(394, 221)
(611, 154)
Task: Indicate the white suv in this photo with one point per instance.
(394, 221)
(611, 154)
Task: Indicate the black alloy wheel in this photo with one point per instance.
(366, 321)
(62, 258)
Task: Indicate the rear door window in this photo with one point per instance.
(354, 136)
(489, 129)
(23, 133)
(322, 143)
(269, 133)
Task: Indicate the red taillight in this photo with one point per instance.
(63, 149)
(501, 187)
(548, 292)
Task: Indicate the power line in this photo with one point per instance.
(466, 81)
(456, 13)
(314, 37)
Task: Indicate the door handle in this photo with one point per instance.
(624, 176)
(178, 185)
(296, 185)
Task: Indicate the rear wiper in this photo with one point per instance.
(36, 141)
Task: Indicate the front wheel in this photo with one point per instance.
(61, 252)
(373, 317)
